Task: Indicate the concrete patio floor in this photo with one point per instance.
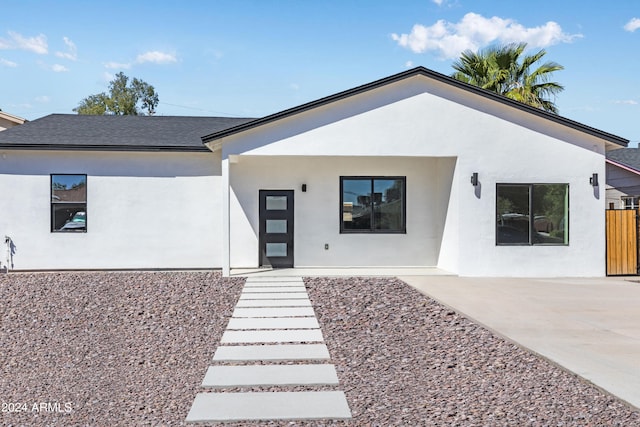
(590, 326)
(338, 272)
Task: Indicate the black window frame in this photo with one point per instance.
(53, 204)
(372, 229)
(532, 231)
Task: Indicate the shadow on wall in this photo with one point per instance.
(11, 250)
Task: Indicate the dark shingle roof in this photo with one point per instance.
(132, 133)
(410, 73)
(626, 156)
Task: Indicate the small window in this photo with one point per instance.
(69, 203)
(372, 205)
(532, 214)
(630, 202)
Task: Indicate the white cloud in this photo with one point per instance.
(632, 25)
(36, 44)
(294, 86)
(156, 57)
(72, 50)
(438, 2)
(474, 31)
(117, 65)
(626, 102)
(59, 68)
(408, 64)
(43, 99)
(6, 63)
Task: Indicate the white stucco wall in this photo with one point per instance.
(318, 215)
(422, 118)
(144, 210)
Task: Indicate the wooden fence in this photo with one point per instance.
(622, 242)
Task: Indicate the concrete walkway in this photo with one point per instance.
(272, 325)
(589, 326)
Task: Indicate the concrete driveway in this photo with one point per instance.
(590, 326)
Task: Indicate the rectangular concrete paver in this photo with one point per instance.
(273, 323)
(269, 375)
(272, 284)
(271, 352)
(228, 407)
(300, 335)
(273, 311)
(273, 295)
(267, 289)
(274, 303)
(273, 279)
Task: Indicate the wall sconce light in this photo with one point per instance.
(474, 179)
(594, 180)
(304, 188)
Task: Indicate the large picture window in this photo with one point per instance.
(69, 203)
(372, 204)
(532, 214)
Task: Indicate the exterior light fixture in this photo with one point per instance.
(594, 180)
(304, 188)
(474, 179)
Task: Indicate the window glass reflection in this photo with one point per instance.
(513, 214)
(532, 214)
(388, 196)
(68, 188)
(69, 203)
(356, 204)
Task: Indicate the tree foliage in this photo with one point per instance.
(137, 98)
(505, 70)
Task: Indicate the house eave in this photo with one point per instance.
(12, 118)
(71, 147)
(623, 166)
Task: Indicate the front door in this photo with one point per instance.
(276, 228)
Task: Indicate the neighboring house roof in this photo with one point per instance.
(130, 133)
(9, 120)
(407, 74)
(626, 158)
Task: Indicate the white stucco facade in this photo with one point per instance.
(436, 136)
(144, 210)
(159, 208)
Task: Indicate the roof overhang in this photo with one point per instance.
(623, 166)
(10, 117)
(71, 147)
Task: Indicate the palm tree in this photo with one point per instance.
(504, 70)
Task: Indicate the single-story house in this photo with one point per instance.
(9, 120)
(623, 178)
(413, 170)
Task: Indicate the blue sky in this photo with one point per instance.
(252, 58)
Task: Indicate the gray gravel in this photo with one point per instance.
(129, 349)
(405, 360)
(123, 349)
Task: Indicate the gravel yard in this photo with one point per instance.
(125, 349)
